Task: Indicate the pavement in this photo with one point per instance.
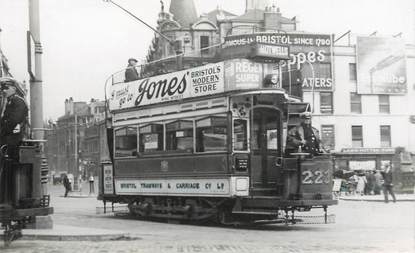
(61, 231)
(377, 198)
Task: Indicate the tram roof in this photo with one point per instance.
(212, 79)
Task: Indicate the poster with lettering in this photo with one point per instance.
(243, 74)
(108, 179)
(381, 65)
(173, 186)
(311, 54)
(194, 82)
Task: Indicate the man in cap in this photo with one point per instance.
(304, 137)
(131, 73)
(14, 114)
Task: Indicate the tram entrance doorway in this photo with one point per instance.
(266, 148)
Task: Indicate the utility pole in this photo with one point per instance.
(36, 102)
(36, 96)
(76, 162)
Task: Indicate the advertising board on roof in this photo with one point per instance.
(381, 65)
(305, 50)
(195, 82)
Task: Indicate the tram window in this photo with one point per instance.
(211, 134)
(151, 138)
(240, 135)
(126, 142)
(179, 136)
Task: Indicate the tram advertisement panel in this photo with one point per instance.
(381, 65)
(195, 82)
(310, 53)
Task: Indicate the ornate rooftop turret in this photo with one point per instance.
(184, 12)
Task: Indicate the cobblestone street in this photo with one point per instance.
(360, 227)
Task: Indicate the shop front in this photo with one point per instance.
(361, 160)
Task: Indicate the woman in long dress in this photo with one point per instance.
(361, 183)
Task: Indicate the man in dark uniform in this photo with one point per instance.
(13, 117)
(304, 137)
(12, 125)
(131, 73)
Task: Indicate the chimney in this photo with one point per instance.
(258, 4)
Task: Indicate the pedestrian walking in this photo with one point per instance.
(67, 185)
(378, 182)
(370, 185)
(80, 183)
(91, 184)
(361, 183)
(388, 183)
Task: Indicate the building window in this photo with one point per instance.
(204, 43)
(179, 135)
(151, 138)
(211, 134)
(357, 136)
(384, 105)
(355, 103)
(240, 135)
(326, 102)
(352, 71)
(327, 137)
(385, 136)
(126, 142)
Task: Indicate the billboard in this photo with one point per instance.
(380, 65)
(311, 54)
(195, 82)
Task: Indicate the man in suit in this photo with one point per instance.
(131, 73)
(388, 183)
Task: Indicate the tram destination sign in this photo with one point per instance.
(272, 51)
(309, 53)
(194, 82)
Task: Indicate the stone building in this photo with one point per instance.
(365, 129)
(69, 146)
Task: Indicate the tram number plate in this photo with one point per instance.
(315, 177)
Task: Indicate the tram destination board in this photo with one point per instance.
(269, 51)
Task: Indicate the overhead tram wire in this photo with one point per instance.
(140, 20)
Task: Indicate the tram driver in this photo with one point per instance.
(304, 137)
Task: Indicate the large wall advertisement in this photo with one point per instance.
(305, 50)
(381, 65)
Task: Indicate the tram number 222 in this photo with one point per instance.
(315, 177)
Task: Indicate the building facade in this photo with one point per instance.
(73, 141)
(365, 114)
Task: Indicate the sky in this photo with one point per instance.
(85, 41)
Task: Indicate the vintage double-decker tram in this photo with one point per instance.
(208, 143)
